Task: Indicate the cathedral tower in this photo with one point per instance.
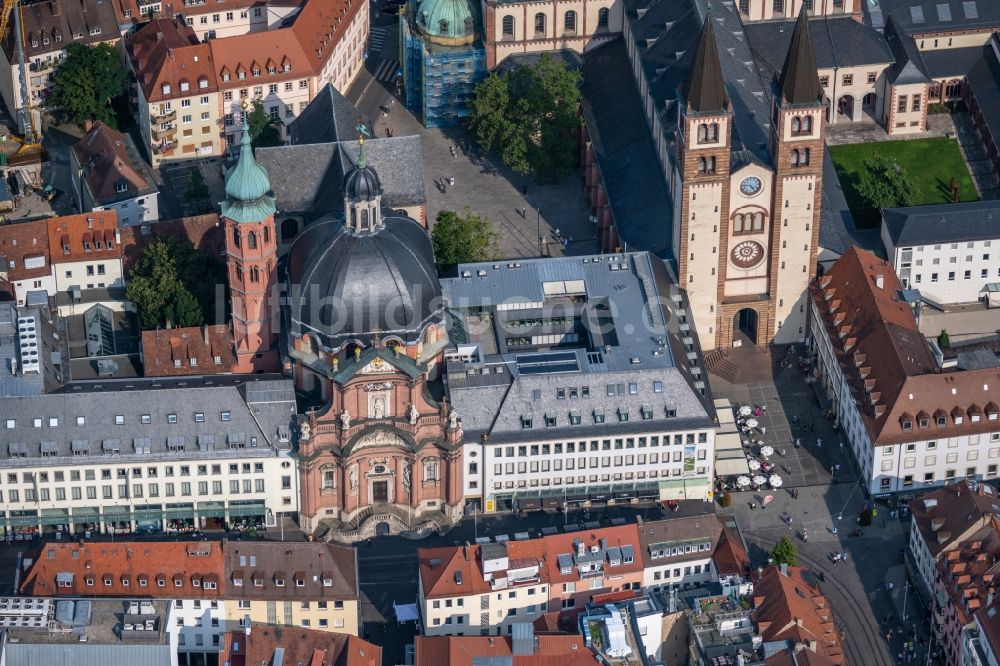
(251, 257)
(797, 147)
(704, 146)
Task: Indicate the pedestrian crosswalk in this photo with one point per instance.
(386, 70)
(376, 39)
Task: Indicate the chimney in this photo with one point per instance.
(880, 281)
(798, 621)
(204, 332)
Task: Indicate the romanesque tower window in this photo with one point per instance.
(603, 16)
(252, 240)
(237, 240)
(779, 6)
(539, 24)
(708, 132)
(569, 21)
(508, 26)
(706, 165)
(800, 157)
(254, 274)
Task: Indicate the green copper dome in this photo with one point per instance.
(247, 187)
(449, 22)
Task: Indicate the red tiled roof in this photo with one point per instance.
(438, 566)
(950, 514)
(969, 573)
(127, 565)
(552, 650)
(730, 557)
(789, 608)
(163, 348)
(70, 236)
(25, 240)
(204, 232)
(301, 646)
(893, 377)
(801, 656)
(167, 52)
(105, 162)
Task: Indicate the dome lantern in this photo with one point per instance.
(362, 193)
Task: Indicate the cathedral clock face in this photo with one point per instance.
(747, 254)
(750, 185)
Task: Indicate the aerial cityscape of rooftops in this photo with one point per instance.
(502, 333)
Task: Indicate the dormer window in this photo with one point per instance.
(178, 582)
(185, 86)
(443, 26)
(121, 186)
(279, 582)
(125, 581)
(143, 581)
(241, 75)
(550, 421)
(622, 414)
(256, 73)
(299, 582)
(526, 422)
(165, 88)
(907, 424)
(107, 581)
(598, 416)
(202, 82)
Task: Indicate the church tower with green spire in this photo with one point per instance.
(252, 260)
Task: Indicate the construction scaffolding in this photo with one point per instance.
(439, 80)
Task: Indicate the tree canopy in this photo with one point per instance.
(529, 116)
(785, 552)
(172, 283)
(84, 83)
(884, 183)
(263, 129)
(463, 238)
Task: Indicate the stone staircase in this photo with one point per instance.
(740, 365)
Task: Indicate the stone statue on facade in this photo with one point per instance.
(345, 420)
(407, 470)
(414, 414)
(452, 420)
(305, 430)
(354, 479)
(378, 407)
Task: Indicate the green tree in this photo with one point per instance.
(197, 189)
(530, 116)
(263, 129)
(172, 283)
(885, 184)
(785, 552)
(85, 82)
(463, 238)
(944, 340)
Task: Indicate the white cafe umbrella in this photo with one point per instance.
(743, 481)
(775, 481)
(766, 451)
(759, 480)
(751, 423)
(753, 465)
(745, 410)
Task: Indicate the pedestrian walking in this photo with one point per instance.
(819, 443)
(763, 430)
(834, 530)
(841, 445)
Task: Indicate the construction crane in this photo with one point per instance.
(25, 116)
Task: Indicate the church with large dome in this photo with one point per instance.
(361, 329)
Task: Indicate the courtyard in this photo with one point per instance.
(931, 163)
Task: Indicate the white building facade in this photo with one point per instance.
(144, 459)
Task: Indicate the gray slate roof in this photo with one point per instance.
(839, 41)
(328, 118)
(494, 395)
(666, 33)
(310, 178)
(928, 16)
(263, 409)
(631, 173)
(943, 223)
(984, 80)
(951, 62)
(909, 66)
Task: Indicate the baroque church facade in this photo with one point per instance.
(356, 318)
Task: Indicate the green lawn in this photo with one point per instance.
(930, 162)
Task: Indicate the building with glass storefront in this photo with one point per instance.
(148, 456)
(577, 380)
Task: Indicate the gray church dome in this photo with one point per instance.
(347, 286)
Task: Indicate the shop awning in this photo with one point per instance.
(86, 514)
(147, 513)
(529, 503)
(257, 509)
(179, 512)
(648, 490)
(731, 466)
(576, 497)
(117, 513)
(55, 517)
(212, 509)
(21, 521)
(552, 502)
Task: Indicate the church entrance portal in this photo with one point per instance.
(382, 529)
(745, 325)
(380, 491)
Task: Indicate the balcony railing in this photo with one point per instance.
(163, 117)
(161, 134)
